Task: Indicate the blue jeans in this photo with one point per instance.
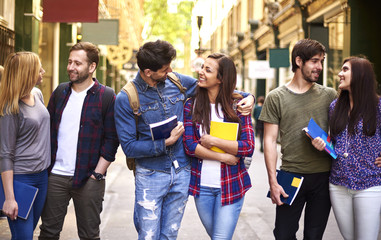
(219, 221)
(23, 229)
(160, 200)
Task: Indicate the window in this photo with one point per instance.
(336, 47)
(250, 9)
(1, 8)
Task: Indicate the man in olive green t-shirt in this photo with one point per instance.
(287, 110)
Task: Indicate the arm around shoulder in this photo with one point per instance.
(190, 140)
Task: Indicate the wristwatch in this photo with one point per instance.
(98, 176)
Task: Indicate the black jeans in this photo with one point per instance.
(314, 195)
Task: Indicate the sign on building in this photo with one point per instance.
(260, 69)
(105, 32)
(279, 57)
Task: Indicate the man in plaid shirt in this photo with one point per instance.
(84, 143)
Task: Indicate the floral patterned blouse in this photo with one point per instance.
(357, 171)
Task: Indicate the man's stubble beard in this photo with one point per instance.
(80, 79)
(309, 79)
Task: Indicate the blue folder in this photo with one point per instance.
(24, 195)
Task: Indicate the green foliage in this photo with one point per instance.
(172, 27)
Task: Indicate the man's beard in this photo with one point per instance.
(80, 79)
(309, 78)
(160, 79)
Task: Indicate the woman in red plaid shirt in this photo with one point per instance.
(219, 181)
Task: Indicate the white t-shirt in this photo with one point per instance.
(68, 131)
(211, 169)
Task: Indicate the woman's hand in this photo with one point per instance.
(378, 162)
(229, 159)
(10, 208)
(318, 143)
(207, 141)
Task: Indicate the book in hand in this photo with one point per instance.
(291, 184)
(223, 130)
(313, 130)
(24, 195)
(163, 128)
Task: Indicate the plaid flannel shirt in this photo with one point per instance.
(235, 180)
(96, 137)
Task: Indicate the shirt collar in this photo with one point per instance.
(142, 85)
(94, 89)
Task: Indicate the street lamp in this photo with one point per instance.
(199, 51)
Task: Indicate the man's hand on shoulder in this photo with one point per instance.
(245, 106)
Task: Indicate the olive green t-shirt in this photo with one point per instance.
(292, 112)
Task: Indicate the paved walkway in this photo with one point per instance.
(256, 220)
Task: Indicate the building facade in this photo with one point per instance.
(251, 30)
(22, 28)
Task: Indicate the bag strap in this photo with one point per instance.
(176, 81)
(107, 98)
(133, 96)
(130, 89)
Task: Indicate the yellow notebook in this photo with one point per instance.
(223, 130)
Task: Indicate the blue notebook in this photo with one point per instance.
(163, 129)
(291, 184)
(313, 130)
(24, 195)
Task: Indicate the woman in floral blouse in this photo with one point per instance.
(355, 127)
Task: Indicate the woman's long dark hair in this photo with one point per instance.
(365, 100)
(227, 74)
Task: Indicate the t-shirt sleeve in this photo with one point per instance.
(39, 94)
(8, 129)
(270, 110)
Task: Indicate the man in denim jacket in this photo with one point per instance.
(162, 168)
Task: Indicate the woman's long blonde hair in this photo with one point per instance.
(21, 72)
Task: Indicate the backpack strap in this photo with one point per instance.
(176, 81)
(130, 89)
(107, 98)
(133, 97)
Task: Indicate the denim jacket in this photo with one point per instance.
(156, 104)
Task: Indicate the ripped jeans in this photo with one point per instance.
(160, 200)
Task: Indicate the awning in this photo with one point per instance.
(70, 10)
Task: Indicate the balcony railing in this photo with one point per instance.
(7, 43)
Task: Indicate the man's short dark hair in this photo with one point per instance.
(91, 50)
(306, 49)
(154, 55)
